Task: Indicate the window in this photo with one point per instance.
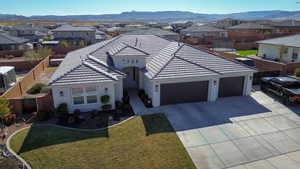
(91, 89)
(295, 53)
(77, 91)
(78, 100)
(91, 99)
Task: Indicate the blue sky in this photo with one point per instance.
(66, 7)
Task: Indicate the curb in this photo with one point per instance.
(12, 152)
(57, 126)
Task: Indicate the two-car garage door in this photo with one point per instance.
(174, 93)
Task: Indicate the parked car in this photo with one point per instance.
(246, 61)
(285, 87)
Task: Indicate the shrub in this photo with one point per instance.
(126, 99)
(105, 99)
(45, 90)
(43, 116)
(297, 72)
(10, 119)
(71, 120)
(35, 89)
(77, 113)
(119, 105)
(62, 110)
(4, 108)
(106, 107)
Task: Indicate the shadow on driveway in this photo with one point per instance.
(205, 114)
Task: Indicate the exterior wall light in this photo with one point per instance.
(156, 88)
(106, 90)
(61, 93)
(215, 83)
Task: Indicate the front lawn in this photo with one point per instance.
(246, 52)
(147, 142)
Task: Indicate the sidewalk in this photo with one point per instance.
(136, 103)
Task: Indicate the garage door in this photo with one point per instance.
(183, 92)
(231, 86)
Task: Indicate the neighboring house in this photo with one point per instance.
(226, 23)
(100, 36)
(75, 34)
(7, 78)
(284, 49)
(287, 26)
(157, 32)
(252, 27)
(28, 31)
(169, 72)
(8, 42)
(204, 31)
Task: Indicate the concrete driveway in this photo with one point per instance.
(254, 132)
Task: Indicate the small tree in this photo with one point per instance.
(82, 43)
(4, 110)
(297, 72)
(64, 44)
(37, 55)
(46, 39)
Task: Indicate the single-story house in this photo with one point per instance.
(287, 26)
(168, 71)
(252, 27)
(8, 42)
(169, 35)
(284, 49)
(204, 31)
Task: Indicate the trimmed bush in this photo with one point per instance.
(106, 107)
(36, 89)
(62, 110)
(119, 105)
(297, 72)
(105, 99)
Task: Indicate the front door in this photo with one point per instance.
(132, 79)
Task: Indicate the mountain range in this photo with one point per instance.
(162, 16)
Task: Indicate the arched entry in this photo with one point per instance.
(132, 79)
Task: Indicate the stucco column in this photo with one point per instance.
(213, 90)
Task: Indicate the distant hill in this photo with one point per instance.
(163, 16)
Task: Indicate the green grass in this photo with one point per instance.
(147, 142)
(246, 52)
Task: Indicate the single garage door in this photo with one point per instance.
(231, 86)
(175, 93)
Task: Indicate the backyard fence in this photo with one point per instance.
(20, 88)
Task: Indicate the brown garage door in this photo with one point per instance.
(183, 92)
(231, 86)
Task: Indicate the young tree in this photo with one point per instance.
(82, 43)
(37, 55)
(64, 44)
(4, 110)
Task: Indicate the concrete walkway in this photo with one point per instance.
(136, 103)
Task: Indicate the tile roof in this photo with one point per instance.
(6, 39)
(202, 28)
(293, 41)
(125, 49)
(167, 60)
(250, 26)
(187, 61)
(66, 28)
(151, 31)
(287, 23)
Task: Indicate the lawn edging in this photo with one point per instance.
(12, 152)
